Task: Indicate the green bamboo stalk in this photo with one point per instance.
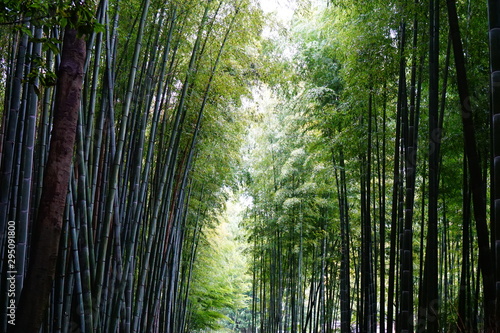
(75, 262)
(103, 9)
(85, 129)
(136, 210)
(44, 128)
(68, 297)
(11, 122)
(117, 159)
(83, 236)
(196, 131)
(494, 43)
(192, 258)
(476, 181)
(167, 178)
(26, 169)
(8, 150)
(11, 61)
(61, 276)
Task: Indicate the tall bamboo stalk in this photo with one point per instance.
(494, 43)
(476, 180)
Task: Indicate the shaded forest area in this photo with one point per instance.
(207, 166)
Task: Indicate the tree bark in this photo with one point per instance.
(47, 230)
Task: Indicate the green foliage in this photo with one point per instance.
(220, 283)
(49, 14)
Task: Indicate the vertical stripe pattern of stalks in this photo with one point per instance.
(485, 260)
(159, 91)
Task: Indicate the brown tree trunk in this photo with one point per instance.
(47, 229)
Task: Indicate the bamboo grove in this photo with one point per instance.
(365, 134)
(156, 89)
(374, 178)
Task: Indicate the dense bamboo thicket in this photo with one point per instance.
(156, 131)
(371, 176)
(362, 137)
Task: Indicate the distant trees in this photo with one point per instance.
(381, 239)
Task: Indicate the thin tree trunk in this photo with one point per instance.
(368, 317)
(494, 32)
(463, 323)
(429, 295)
(392, 294)
(345, 300)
